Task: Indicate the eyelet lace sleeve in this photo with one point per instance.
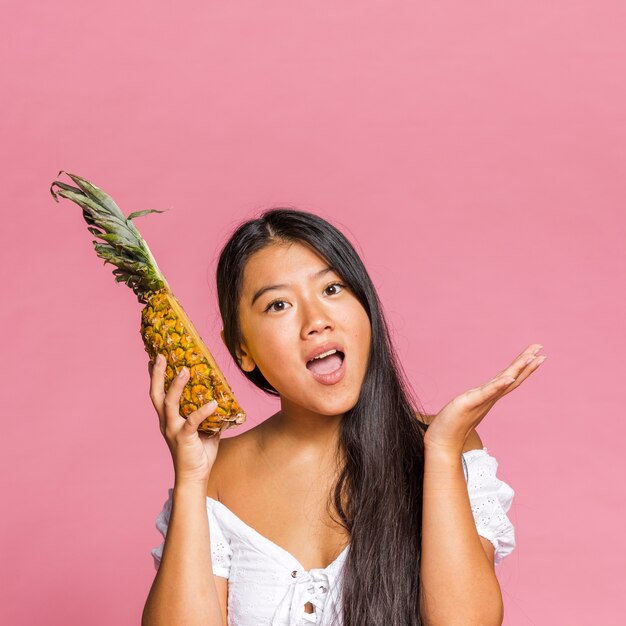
(490, 499)
(220, 547)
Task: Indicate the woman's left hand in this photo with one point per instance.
(449, 429)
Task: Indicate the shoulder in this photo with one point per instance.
(473, 441)
(230, 453)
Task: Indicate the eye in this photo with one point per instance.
(334, 285)
(271, 304)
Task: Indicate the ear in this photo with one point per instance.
(245, 361)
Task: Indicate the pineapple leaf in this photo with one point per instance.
(124, 248)
(62, 185)
(117, 257)
(122, 243)
(122, 278)
(96, 194)
(94, 210)
(139, 213)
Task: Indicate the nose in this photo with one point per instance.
(315, 319)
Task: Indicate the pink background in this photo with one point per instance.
(473, 153)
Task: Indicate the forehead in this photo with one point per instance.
(280, 262)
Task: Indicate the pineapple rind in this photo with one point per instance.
(166, 329)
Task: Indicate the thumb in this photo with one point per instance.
(197, 417)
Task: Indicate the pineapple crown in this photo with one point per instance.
(124, 247)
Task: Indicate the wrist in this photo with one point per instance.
(444, 465)
(188, 484)
(443, 451)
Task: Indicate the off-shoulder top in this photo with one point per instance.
(268, 586)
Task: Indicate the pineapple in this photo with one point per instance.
(165, 328)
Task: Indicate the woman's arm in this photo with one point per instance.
(459, 584)
(184, 591)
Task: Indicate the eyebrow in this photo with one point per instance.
(261, 291)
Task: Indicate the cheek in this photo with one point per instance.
(362, 329)
(283, 372)
(272, 354)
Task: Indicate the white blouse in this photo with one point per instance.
(268, 586)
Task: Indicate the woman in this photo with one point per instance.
(349, 505)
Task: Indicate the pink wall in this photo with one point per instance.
(474, 153)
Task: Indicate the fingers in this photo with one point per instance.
(522, 360)
(532, 350)
(196, 418)
(528, 367)
(526, 363)
(157, 393)
(513, 376)
(171, 402)
(166, 404)
(492, 389)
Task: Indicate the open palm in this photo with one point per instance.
(449, 429)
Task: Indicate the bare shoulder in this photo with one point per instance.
(230, 452)
(473, 441)
(424, 419)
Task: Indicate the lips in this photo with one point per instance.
(325, 347)
(330, 378)
(318, 373)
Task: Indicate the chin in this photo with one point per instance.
(331, 408)
(328, 401)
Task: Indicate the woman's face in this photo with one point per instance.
(309, 308)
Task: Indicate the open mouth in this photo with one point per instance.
(327, 363)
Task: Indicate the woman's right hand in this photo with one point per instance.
(193, 453)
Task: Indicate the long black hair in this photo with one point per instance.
(378, 493)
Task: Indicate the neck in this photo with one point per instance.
(303, 433)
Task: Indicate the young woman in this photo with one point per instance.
(349, 505)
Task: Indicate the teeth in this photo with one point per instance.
(325, 354)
